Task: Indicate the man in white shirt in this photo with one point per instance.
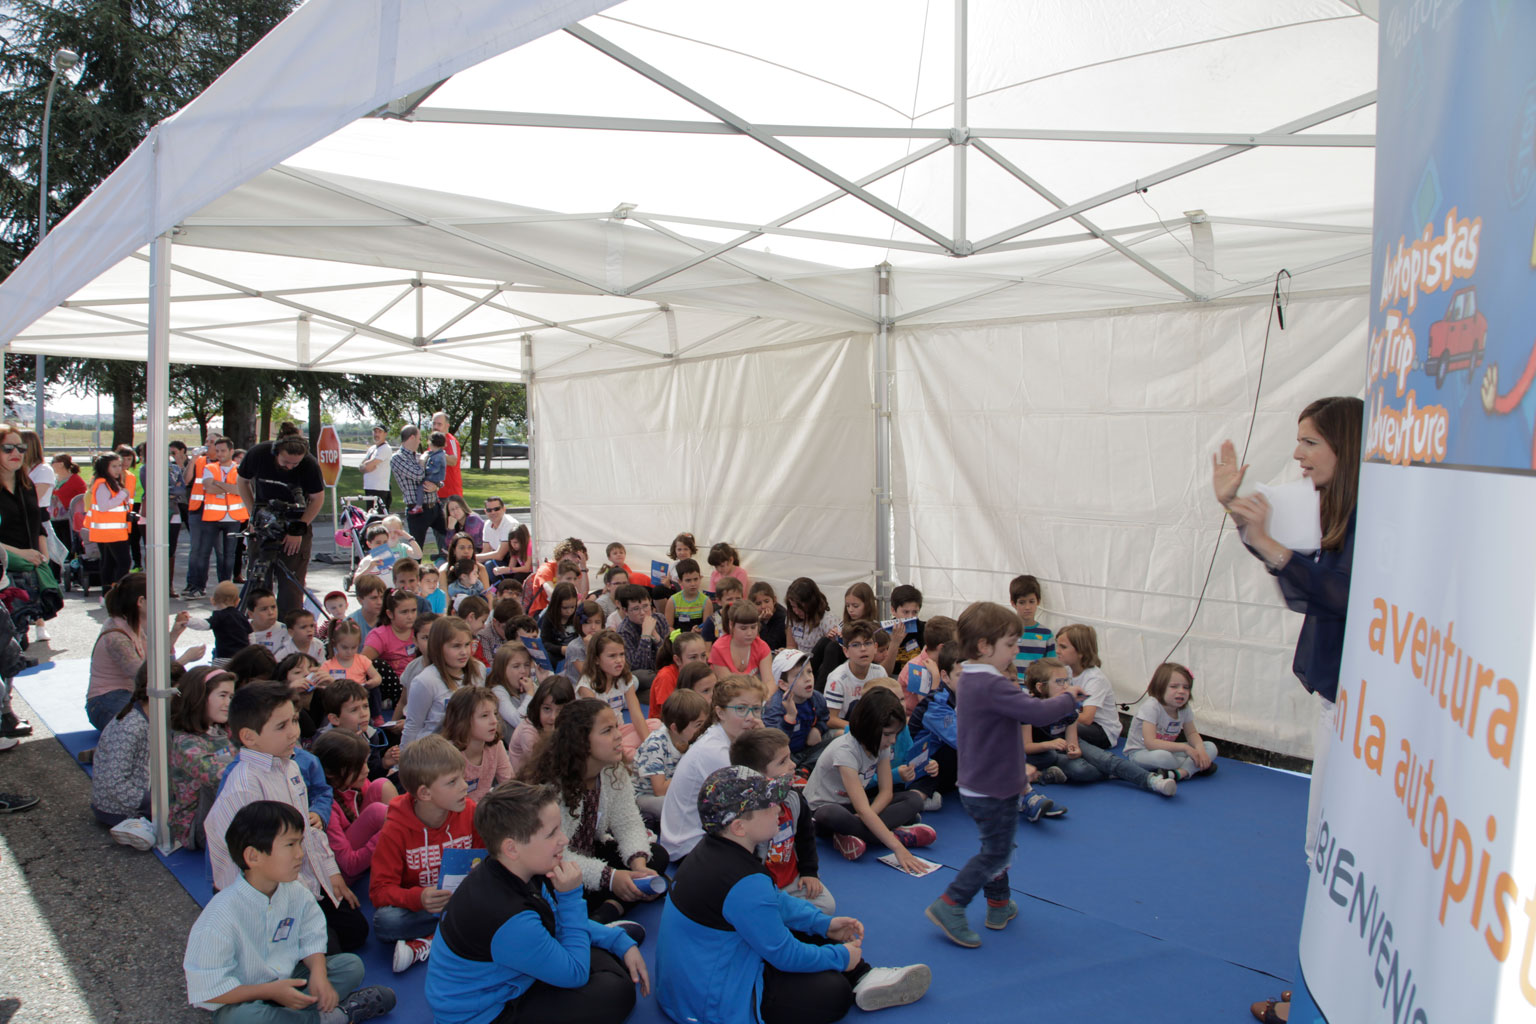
(495, 537)
(376, 467)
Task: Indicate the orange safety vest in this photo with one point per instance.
(195, 499)
(105, 525)
(217, 507)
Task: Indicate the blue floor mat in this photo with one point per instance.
(1128, 895)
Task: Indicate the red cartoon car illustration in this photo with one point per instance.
(1457, 342)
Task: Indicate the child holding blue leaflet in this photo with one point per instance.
(796, 708)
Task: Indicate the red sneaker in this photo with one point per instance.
(913, 836)
(851, 847)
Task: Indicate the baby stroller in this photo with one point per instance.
(358, 512)
(84, 566)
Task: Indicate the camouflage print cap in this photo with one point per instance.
(735, 790)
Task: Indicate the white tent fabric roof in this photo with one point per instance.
(721, 176)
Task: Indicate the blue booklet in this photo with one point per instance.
(456, 866)
(540, 655)
(918, 678)
(658, 572)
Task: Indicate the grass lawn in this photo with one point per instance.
(511, 485)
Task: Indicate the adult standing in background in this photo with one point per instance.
(1313, 583)
(106, 524)
(453, 483)
(41, 475)
(409, 473)
(284, 470)
(178, 479)
(376, 467)
(222, 515)
(67, 485)
(131, 483)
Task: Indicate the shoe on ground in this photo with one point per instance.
(851, 847)
(915, 836)
(138, 833)
(634, 929)
(1033, 806)
(934, 802)
(367, 1003)
(411, 951)
(998, 917)
(7, 742)
(882, 987)
(1163, 784)
(1208, 771)
(951, 921)
(86, 756)
(10, 725)
(1053, 774)
(13, 802)
(191, 593)
(1054, 809)
(40, 632)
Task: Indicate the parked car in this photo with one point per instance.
(1457, 342)
(504, 448)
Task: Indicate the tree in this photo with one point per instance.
(120, 378)
(199, 392)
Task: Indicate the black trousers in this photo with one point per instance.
(115, 562)
(608, 852)
(820, 997)
(383, 497)
(606, 998)
(346, 928)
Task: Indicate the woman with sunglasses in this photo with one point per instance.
(21, 520)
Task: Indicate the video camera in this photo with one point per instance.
(271, 521)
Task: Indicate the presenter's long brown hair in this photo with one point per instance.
(1340, 421)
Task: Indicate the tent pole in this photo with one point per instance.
(156, 556)
(533, 440)
(884, 527)
(959, 136)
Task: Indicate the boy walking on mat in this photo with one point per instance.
(991, 746)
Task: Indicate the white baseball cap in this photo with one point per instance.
(785, 661)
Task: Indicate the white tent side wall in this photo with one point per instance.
(768, 450)
(1075, 449)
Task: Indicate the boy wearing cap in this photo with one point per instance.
(728, 932)
(796, 708)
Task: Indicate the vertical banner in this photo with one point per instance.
(1422, 901)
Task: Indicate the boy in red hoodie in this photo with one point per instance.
(432, 815)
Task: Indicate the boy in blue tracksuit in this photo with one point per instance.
(514, 943)
(735, 949)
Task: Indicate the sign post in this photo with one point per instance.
(328, 453)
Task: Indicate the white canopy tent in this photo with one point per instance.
(931, 292)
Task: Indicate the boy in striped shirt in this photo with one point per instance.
(1036, 641)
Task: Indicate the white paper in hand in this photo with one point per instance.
(1295, 519)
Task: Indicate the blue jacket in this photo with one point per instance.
(723, 919)
(773, 718)
(1319, 589)
(499, 935)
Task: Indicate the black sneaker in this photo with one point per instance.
(10, 725)
(1208, 771)
(1053, 809)
(367, 1003)
(634, 929)
(12, 802)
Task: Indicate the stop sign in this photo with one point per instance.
(328, 452)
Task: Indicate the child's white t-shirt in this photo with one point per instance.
(844, 688)
(274, 639)
(315, 650)
(1168, 727)
(826, 782)
(1100, 693)
(614, 697)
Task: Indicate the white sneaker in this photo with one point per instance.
(40, 632)
(7, 742)
(934, 802)
(410, 951)
(138, 833)
(883, 987)
(1163, 784)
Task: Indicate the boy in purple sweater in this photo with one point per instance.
(991, 709)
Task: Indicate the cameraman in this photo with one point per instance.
(283, 470)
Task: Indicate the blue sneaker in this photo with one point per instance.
(951, 921)
(1054, 809)
(998, 917)
(1033, 806)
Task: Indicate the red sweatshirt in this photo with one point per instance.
(409, 853)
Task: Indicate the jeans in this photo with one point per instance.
(344, 971)
(997, 819)
(218, 538)
(391, 924)
(1165, 759)
(839, 819)
(179, 508)
(606, 998)
(823, 901)
(1096, 765)
(104, 707)
(430, 517)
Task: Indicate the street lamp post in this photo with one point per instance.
(63, 60)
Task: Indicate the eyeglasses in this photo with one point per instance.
(494, 508)
(12, 449)
(746, 710)
(859, 645)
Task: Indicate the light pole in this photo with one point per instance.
(63, 60)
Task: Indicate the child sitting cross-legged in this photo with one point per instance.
(791, 854)
(257, 952)
(685, 714)
(846, 682)
(851, 791)
(736, 949)
(361, 806)
(796, 708)
(265, 725)
(554, 693)
(434, 813)
(515, 943)
(584, 760)
(1064, 755)
(471, 724)
(345, 705)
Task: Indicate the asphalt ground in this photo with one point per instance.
(89, 930)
